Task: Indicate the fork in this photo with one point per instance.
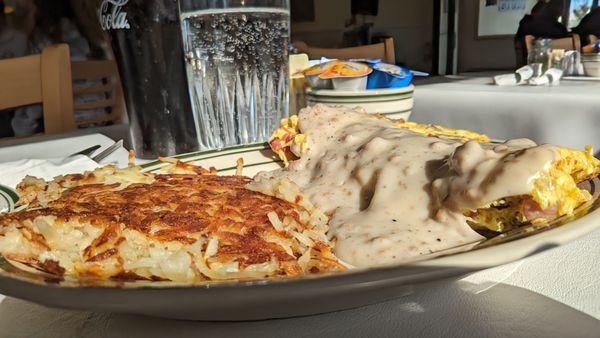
(104, 154)
(87, 151)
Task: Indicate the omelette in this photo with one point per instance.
(554, 193)
(185, 225)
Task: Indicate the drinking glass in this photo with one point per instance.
(236, 56)
(146, 40)
(539, 58)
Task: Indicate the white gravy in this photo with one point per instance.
(394, 194)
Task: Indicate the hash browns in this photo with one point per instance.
(186, 226)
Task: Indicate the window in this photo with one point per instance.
(578, 9)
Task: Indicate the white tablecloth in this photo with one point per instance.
(553, 294)
(568, 114)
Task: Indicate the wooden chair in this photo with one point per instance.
(101, 77)
(43, 78)
(61, 86)
(384, 51)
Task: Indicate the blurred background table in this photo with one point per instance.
(568, 114)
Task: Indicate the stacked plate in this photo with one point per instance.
(591, 64)
(393, 102)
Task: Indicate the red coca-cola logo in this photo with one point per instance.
(112, 16)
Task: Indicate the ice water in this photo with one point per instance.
(237, 68)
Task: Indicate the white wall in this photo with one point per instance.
(493, 22)
(479, 54)
(409, 22)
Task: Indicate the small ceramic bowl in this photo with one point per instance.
(591, 68)
(590, 57)
(315, 82)
(350, 83)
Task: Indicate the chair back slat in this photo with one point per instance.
(105, 103)
(106, 118)
(57, 90)
(383, 51)
(94, 70)
(95, 89)
(100, 77)
(21, 81)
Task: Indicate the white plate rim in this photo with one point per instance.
(8, 198)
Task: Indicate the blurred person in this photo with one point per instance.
(589, 25)
(13, 42)
(543, 22)
(85, 16)
(55, 24)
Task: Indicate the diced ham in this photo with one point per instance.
(288, 137)
(532, 210)
(276, 144)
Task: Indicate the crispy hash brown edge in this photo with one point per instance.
(186, 225)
